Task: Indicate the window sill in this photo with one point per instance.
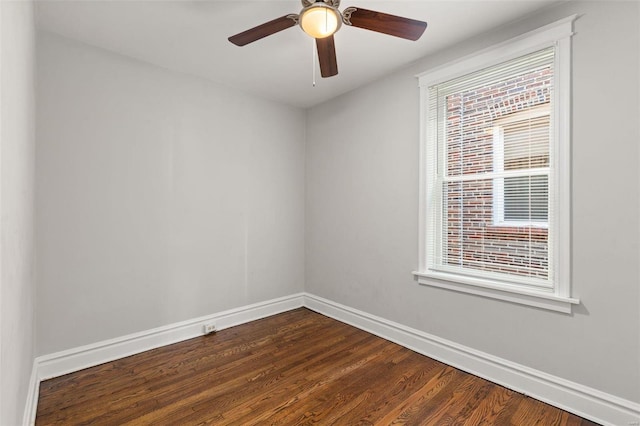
(495, 290)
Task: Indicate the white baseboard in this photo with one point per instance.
(33, 391)
(573, 397)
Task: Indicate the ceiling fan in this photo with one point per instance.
(321, 19)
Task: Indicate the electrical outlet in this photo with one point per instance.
(209, 328)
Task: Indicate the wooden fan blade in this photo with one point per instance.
(398, 26)
(262, 31)
(327, 56)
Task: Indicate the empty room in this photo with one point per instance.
(320, 212)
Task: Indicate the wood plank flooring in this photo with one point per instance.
(294, 368)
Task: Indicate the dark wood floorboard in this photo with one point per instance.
(295, 368)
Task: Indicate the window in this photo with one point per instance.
(521, 145)
(495, 172)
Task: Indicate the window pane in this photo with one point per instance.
(526, 199)
(526, 140)
(472, 242)
(472, 113)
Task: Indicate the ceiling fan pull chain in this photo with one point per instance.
(313, 61)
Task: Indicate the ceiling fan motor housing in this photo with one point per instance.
(334, 3)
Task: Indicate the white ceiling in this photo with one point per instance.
(191, 37)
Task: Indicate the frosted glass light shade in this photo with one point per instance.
(320, 20)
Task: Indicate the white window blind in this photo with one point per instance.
(493, 193)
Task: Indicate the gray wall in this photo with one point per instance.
(17, 284)
(160, 197)
(362, 211)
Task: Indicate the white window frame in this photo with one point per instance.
(498, 167)
(557, 297)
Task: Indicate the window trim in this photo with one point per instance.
(558, 298)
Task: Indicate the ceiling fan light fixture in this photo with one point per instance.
(320, 20)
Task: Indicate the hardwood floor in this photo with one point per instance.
(295, 368)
